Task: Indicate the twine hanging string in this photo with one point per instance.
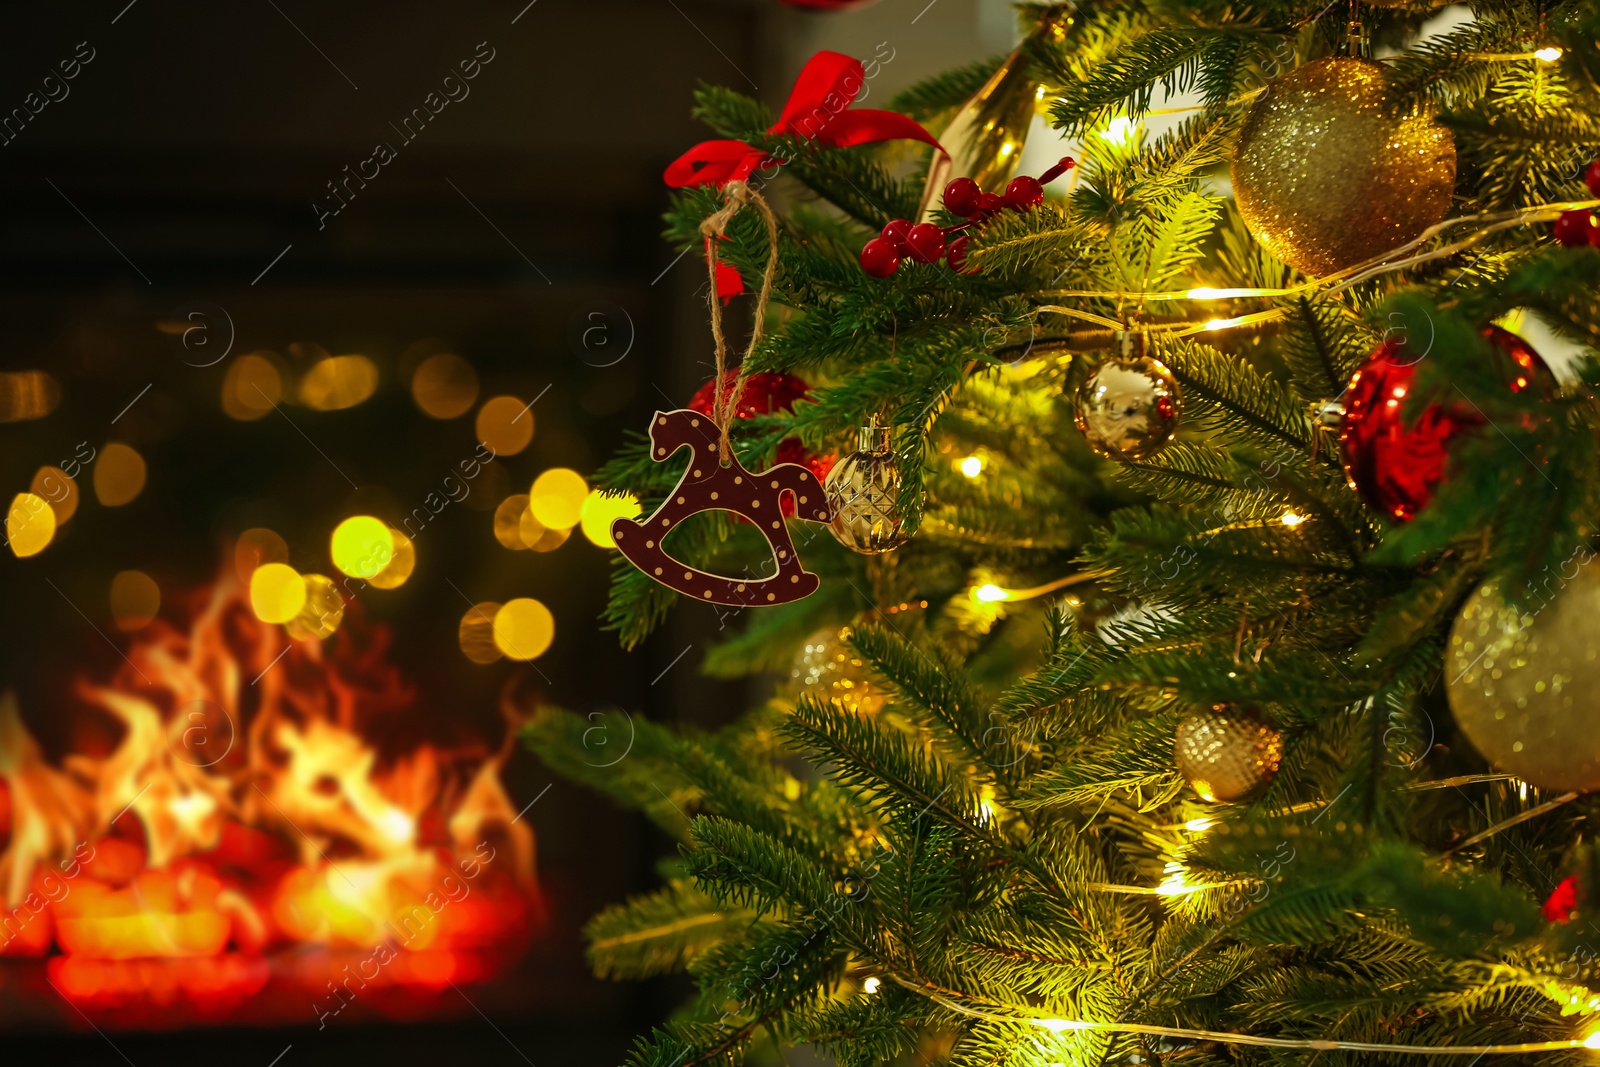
(725, 401)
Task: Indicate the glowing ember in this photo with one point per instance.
(244, 840)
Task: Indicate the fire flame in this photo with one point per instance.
(244, 812)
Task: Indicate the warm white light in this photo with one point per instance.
(1292, 518)
(1118, 131)
(1222, 324)
(1548, 55)
(1058, 1025)
(972, 466)
(1199, 826)
(1206, 293)
(1592, 1041)
(870, 985)
(397, 825)
(990, 593)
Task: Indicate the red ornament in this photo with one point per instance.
(1395, 466)
(1574, 228)
(961, 197)
(895, 231)
(879, 257)
(764, 393)
(926, 242)
(707, 485)
(1563, 902)
(1024, 193)
(956, 255)
(1591, 177)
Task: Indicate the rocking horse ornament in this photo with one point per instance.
(714, 479)
(708, 485)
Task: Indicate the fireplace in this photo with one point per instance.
(233, 841)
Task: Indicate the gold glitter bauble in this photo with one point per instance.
(1128, 408)
(1329, 172)
(831, 671)
(1227, 753)
(1525, 686)
(863, 490)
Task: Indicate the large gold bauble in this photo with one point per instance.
(834, 673)
(863, 491)
(1227, 753)
(1329, 172)
(1525, 686)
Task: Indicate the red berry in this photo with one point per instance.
(956, 255)
(926, 242)
(1024, 193)
(1591, 177)
(1573, 228)
(990, 203)
(895, 230)
(879, 258)
(961, 197)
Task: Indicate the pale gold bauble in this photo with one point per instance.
(1128, 408)
(1525, 684)
(863, 491)
(1227, 753)
(1329, 172)
(829, 670)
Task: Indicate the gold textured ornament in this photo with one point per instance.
(1525, 685)
(1227, 753)
(863, 493)
(1328, 171)
(832, 672)
(1128, 408)
(985, 138)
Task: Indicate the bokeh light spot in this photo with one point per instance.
(251, 387)
(362, 546)
(400, 565)
(58, 489)
(277, 592)
(30, 524)
(600, 510)
(338, 382)
(476, 633)
(539, 537)
(445, 386)
(321, 613)
(28, 394)
(255, 547)
(557, 497)
(523, 628)
(119, 475)
(508, 522)
(505, 424)
(135, 599)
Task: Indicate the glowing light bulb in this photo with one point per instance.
(361, 546)
(972, 466)
(1549, 54)
(397, 825)
(1199, 826)
(1056, 1026)
(870, 985)
(1119, 129)
(1222, 324)
(1592, 1041)
(1292, 518)
(990, 593)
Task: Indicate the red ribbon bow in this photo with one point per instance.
(816, 111)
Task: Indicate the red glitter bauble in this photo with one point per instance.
(1395, 466)
(765, 392)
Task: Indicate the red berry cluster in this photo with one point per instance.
(928, 243)
(1577, 228)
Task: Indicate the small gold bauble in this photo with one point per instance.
(1328, 171)
(863, 491)
(1525, 686)
(1227, 753)
(1128, 408)
(829, 670)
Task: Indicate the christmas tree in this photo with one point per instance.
(1203, 668)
